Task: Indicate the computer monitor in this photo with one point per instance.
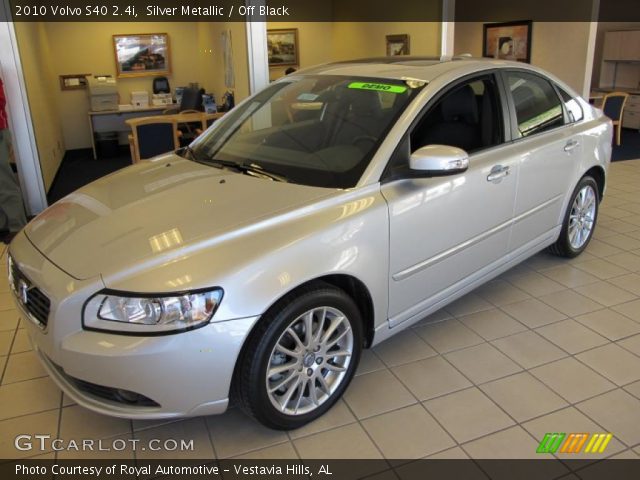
(161, 85)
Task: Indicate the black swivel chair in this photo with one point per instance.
(191, 102)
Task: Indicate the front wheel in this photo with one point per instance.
(300, 358)
(580, 220)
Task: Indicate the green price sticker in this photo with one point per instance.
(378, 87)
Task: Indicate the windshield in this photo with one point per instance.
(318, 130)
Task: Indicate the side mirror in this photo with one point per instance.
(437, 160)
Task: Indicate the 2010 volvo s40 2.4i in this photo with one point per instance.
(321, 216)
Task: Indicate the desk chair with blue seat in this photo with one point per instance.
(613, 106)
(151, 137)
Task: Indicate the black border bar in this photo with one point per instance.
(547, 467)
(320, 10)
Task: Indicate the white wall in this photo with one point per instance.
(41, 83)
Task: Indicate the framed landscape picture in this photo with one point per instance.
(141, 54)
(397, 45)
(509, 41)
(282, 45)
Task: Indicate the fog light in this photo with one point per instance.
(127, 396)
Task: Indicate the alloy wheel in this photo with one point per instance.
(309, 361)
(582, 217)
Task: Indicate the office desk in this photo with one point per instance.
(201, 117)
(115, 120)
(595, 98)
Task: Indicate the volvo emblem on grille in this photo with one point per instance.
(23, 288)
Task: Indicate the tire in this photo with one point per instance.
(578, 218)
(293, 404)
(4, 221)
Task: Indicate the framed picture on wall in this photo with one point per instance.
(282, 46)
(397, 45)
(509, 41)
(142, 54)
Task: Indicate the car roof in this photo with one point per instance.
(403, 67)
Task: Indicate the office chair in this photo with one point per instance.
(191, 103)
(192, 100)
(206, 124)
(151, 137)
(613, 107)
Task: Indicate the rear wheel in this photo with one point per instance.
(580, 220)
(300, 358)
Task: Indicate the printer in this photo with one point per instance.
(103, 93)
(140, 99)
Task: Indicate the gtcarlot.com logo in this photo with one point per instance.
(574, 443)
(46, 442)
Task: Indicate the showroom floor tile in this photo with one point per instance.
(571, 336)
(572, 380)
(528, 349)
(409, 432)
(523, 396)
(609, 324)
(616, 411)
(514, 442)
(551, 345)
(468, 414)
(376, 393)
(443, 378)
(605, 293)
(492, 324)
(632, 344)
(482, 363)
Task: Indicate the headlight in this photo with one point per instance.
(10, 270)
(153, 314)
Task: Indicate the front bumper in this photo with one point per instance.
(187, 376)
(184, 374)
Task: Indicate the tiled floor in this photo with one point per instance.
(552, 345)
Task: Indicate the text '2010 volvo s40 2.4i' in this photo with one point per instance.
(321, 216)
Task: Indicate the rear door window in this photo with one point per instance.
(537, 105)
(571, 105)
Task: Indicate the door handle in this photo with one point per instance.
(497, 173)
(571, 144)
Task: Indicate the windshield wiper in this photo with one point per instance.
(248, 169)
(188, 152)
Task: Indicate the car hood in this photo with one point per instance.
(153, 208)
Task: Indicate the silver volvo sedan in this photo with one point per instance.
(321, 216)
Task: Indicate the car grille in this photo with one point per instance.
(29, 296)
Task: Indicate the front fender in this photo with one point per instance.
(347, 233)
